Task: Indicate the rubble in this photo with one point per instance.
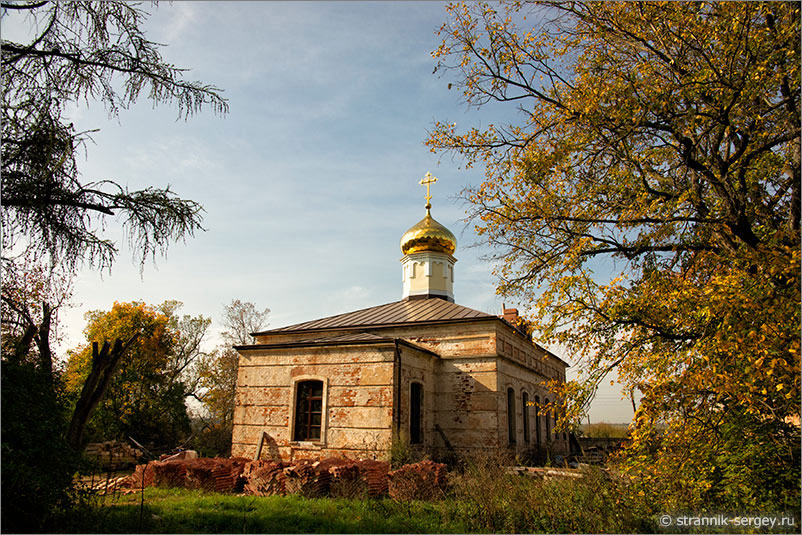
(332, 476)
(307, 479)
(180, 456)
(375, 474)
(213, 474)
(264, 478)
(112, 455)
(425, 480)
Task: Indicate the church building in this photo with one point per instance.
(442, 376)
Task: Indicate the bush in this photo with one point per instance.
(38, 464)
(403, 452)
(486, 498)
(212, 440)
(744, 464)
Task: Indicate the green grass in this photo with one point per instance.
(483, 499)
(192, 511)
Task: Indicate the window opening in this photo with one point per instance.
(308, 410)
(537, 420)
(525, 409)
(511, 415)
(416, 413)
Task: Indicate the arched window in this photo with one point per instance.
(525, 409)
(548, 421)
(416, 413)
(308, 410)
(537, 420)
(511, 416)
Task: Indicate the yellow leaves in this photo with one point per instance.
(585, 171)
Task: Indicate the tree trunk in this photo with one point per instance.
(104, 362)
(43, 340)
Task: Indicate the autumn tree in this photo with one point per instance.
(647, 205)
(217, 373)
(146, 396)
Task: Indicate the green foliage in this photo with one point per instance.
(488, 500)
(211, 439)
(647, 206)
(403, 452)
(217, 377)
(38, 465)
(146, 396)
(746, 464)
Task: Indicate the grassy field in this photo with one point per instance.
(604, 430)
(193, 511)
(481, 500)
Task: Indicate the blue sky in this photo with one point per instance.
(311, 179)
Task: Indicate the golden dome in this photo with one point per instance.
(428, 235)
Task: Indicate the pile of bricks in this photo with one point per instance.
(328, 477)
(425, 480)
(214, 474)
(112, 455)
(220, 475)
(104, 485)
(333, 477)
(308, 479)
(142, 471)
(264, 478)
(346, 479)
(375, 475)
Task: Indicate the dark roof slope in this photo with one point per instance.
(358, 338)
(396, 313)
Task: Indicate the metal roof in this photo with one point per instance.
(397, 313)
(358, 338)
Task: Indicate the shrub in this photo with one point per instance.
(403, 452)
(486, 498)
(38, 464)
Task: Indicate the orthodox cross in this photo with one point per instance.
(428, 180)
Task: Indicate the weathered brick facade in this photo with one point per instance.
(463, 361)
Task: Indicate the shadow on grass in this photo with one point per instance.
(182, 511)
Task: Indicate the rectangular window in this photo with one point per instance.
(308, 410)
(416, 413)
(537, 420)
